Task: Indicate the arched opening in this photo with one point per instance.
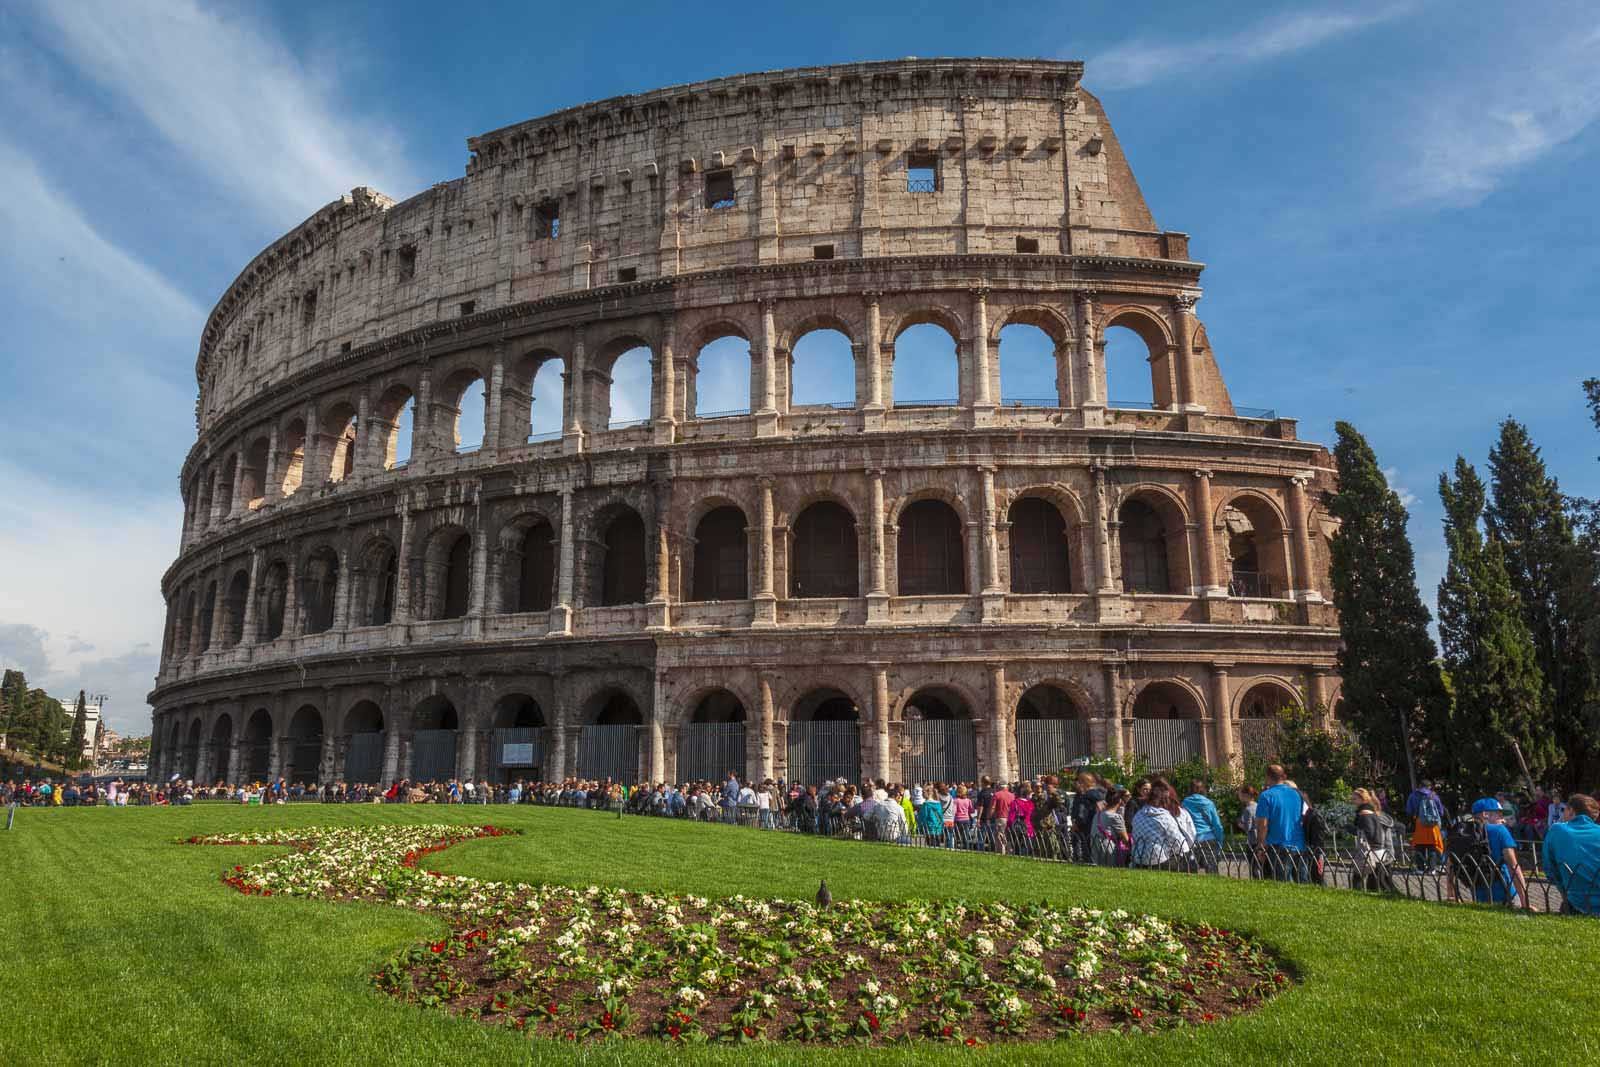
(1258, 718)
(207, 500)
(608, 746)
(319, 590)
(258, 746)
(469, 404)
(225, 485)
(305, 746)
(546, 402)
(274, 601)
(380, 572)
(517, 743)
(184, 640)
(364, 741)
(822, 370)
(622, 560)
(253, 480)
(208, 608)
(1138, 372)
(1166, 725)
(930, 560)
(395, 425)
(823, 555)
(722, 377)
(1258, 549)
(233, 604)
(927, 370)
(294, 450)
(221, 748)
(824, 738)
(1153, 559)
(1051, 731)
(721, 556)
(433, 742)
(628, 397)
(1040, 561)
(191, 751)
(447, 573)
(536, 568)
(712, 742)
(940, 742)
(340, 429)
(1030, 375)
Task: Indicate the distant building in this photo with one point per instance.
(94, 708)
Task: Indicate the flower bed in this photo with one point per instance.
(576, 964)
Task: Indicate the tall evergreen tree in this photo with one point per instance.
(13, 697)
(1500, 696)
(99, 734)
(1394, 695)
(1527, 517)
(79, 738)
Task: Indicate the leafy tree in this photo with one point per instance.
(1394, 696)
(80, 734)
(99, 737)
(1500, 696)
(13, 699)
(1528, 518)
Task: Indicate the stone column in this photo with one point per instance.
(402, 576)
(1225, 750)
(766, 605)
(660, 606)
(1317, 696)
(555, 767)
(391, 743)
(273, 490)
(769, 361)
(664, 422)
(291, 595)
(874, 353)
(422, 421)
(275, 754)
(1104, 584)
(658, 738)
(999, 724)
(766, 716)
(477, 603)
(311, 471)
(989, 541)
(367, 457)
(249, 628)
(561, 614)
(1092, 392)
(1200, 496)
(326, 771)
(342, 594)
(202, 762)
(1188, 374)
(883, 769)
(982, 365)
(219, 505)
(234, 770)
(576, 408)
(496, 412)
(1114, 725)
(236, 492)
(1300, 524)
(467, 753)
(878, 587)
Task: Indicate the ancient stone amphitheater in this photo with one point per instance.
(892, 583)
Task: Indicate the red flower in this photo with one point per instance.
(1280, 978)
(554, 1008)
(1137, 1013)
(945, 1032)
(605, 1020)
(437, 947)
(673, 1031)
(749, 1031)
(571, 1036)
(1208, 1017)
(872, 1021)
(971, 1041)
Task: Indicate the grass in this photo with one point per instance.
(124, 947)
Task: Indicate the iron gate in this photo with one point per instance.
(522, 735)
(363, 760)
(305, 760)
(940, 750)
(433, 755)
(1259, 737)
(609, 752)
(823, 751)
(1165, 742)
(258, 760)
(709, 750)
(1044, 746)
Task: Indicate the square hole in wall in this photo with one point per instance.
(344, 349)
(406, 263)
(719, 189)
(468, 307)
(627, 274)
(547, 219)
(922, 172)
(821, 251)
(1028, 245)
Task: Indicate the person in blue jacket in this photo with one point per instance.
(1208, 831)
(1572, 856)
(1508, 885)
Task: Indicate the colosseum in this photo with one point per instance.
(925, 578)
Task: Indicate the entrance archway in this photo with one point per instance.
(1166, 725)
(608, 744)
(433, 743)
(940, 742)
(713, 740)
(517, 743)
(1051, 731)
(824, 738)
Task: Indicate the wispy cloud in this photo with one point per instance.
(230, 96)
(1144, 61)
(1407, 497)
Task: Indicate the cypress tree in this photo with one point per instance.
(1527, 518)
(99, 734)
(80, 733)
(1500, 696)
(13, 698)
(1394, 694)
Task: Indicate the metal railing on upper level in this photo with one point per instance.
(940, 402)
(1255, 413)
(922, 185)
(1030, 401)
(1134, 405)
(730, 413)
(539, 438)
(626, 424)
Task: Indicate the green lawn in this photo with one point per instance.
(123, 946)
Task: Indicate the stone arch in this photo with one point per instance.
(436, 720)
(1152, 541)
(711, 735)
(225, 484)
(1044, 546)
(939, 734)
(946, 318)
(1052, 699)
(930, 547)
(723, 349)
(191, 750)
(256, 758)
(320, 575)
(821, 355)
(1050, 727)
(1263, 696)
(294, 453)
(824, 735)
(208, 612)
(447, 572)
(1255, 541)
(1033, 346)
(340, 433)
(1156, 335)
(221, 747)
(824, 550)
(304, 763)
(944, 699)
(363, 739)
(609, 740)
(516, 710)
(528, 560)
(534, 404)
(461, 403)
(233, 607)
(1155, 698)
(274, 593)
(377, 575)
(720, 568)
(619, 552)
(253, 477)
(939, 373)
(1166, 728)
(618, 380)
(364, 716)
(1056, 323)
(393, 426)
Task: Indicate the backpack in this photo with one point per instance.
(1430, 812)
(1315, 824)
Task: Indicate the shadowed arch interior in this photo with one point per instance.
(319, 590)
(930, 559)
(823, 557)
(721, 556)
(1146, 549)
(1040, 561)
(621, 574)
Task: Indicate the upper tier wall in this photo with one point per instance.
(817, 156)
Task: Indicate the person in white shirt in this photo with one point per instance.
(763, 801)
(1163, 832)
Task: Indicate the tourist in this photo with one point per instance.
(999, 816)
(1208, 831)
(1138, 797)
(1374, 830)
(1572, 855)
(1280, 810)
(1246, 824)
(1163, 832)
(962, 814)
(1507, 884)
(1086, 803)
(1428, 816)
(930, 817)
(1019, 822)
(1111, 843)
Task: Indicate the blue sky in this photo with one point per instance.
(1395, 202)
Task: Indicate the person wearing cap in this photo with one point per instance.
(1572, 855)
(1511, 887)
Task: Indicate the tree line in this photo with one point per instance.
(1511, 693)
(36, 724)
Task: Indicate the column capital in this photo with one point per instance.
(768, 304)
(980, 291)
(1222, 666)
(1203, 472)
(1186, 301)
(1301, 480)
(872, 296)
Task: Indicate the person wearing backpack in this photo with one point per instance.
(1374, 831)
(1319, 837)
(1086, 804)
(1428, 815)
(1280, 810)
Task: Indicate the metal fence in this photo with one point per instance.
(433, 755)
(509, 757)
(363, 759)
(1044, 746)
(940, 750)
(1166, 742)
(824, 751)
(707, 751)
(609, 752)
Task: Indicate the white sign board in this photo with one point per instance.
(514, 755)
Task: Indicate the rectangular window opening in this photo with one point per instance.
(628, 274)
(922, 172)
(407, 264)
(1028, 245)
(468, 307)
(308, 308)
(719, 189)
(344, 349)
(547, 219)
(822, 252)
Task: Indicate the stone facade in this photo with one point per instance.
(713, 590)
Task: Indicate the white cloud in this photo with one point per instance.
(230, 96)
(1463, 135)
(1407, 497)
(1143, 62)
